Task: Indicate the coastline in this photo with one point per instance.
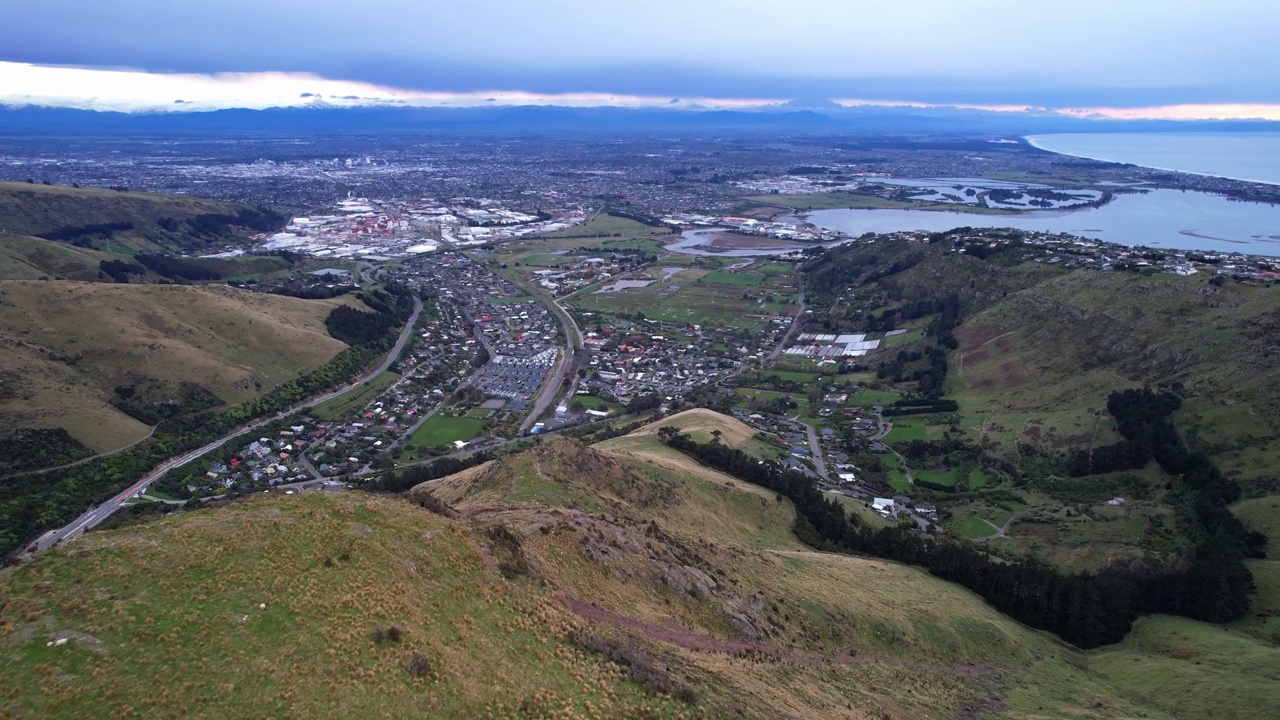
(1031, 140)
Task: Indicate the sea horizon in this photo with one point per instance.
(1224, 155)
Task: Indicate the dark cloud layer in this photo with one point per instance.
(1138, 52)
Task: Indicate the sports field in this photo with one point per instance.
(442, 430)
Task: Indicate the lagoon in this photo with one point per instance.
(1158, 218)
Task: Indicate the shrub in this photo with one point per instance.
(509, 552)
(417, 665)
(392, 634)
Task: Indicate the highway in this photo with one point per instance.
(97, 514)
(564, 364)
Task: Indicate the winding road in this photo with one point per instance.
(886, 427)
(795, 324)
(97, 514)
(815, 449)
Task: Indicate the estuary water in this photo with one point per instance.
(1159, 218)
(1240, 156)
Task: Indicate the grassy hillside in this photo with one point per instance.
(267, 609)
(75, 354)
(639, 486)
(1047, 357)
(643, 541)
(113, 220)
(1193, 670)
(1038, 349)
(30, 258)
(568, 581)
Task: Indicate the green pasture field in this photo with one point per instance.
(977, 478)
(547, 260)
(867, 397)
(902, 339)
(590, 402)
(975, 527)
(681, 301)
(906, 430)
(442, 430)
(608, 225)
(792, 375)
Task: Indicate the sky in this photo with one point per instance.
(1121, 58)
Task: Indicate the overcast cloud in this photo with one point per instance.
(1084, 52)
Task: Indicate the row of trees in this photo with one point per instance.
(260, 219)
(80, 235)
(407, 478)
(29, 448)
(389, 309)
(176, 267)
(1088, 609)
(923, 406)
(151, 401)
(357, 327)
(119, 270)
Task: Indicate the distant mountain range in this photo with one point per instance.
(807, 118)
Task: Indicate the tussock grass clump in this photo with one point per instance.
(417, 665)
(641, 663)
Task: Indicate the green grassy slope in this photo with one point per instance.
(36, 210)
(70, 345)
(265, 609)
(30, 258)
(1192, 670)
(1040, 349)
(1050, 355)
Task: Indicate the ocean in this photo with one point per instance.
(1240, 156)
